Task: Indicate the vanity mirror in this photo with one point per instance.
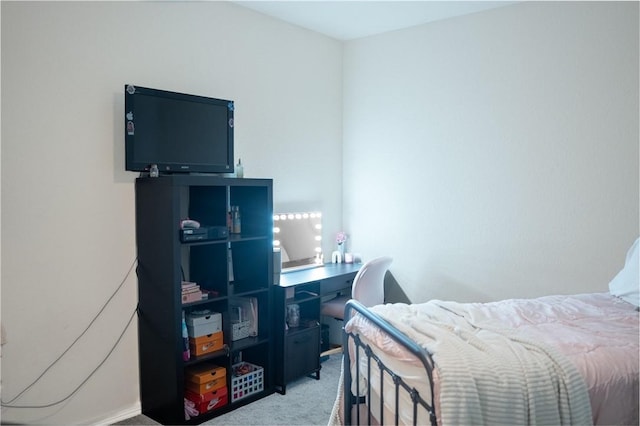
(299, 238)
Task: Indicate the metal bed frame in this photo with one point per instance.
(362, 398)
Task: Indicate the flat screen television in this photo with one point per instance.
(179, 133)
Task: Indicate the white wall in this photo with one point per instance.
(68, 232)
(495, 155)
(492, 155)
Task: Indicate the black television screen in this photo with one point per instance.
(179, 133)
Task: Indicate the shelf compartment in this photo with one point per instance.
(263, 311)
(208, 205)
(206, 270)
(250, 259)
(254, 218)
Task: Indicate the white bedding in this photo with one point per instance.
(597, 333)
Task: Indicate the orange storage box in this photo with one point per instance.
(210, 400)
(204, 378)
(206, 344)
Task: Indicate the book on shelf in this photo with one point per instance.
(190, 292)
(189, 286)
(191, 297)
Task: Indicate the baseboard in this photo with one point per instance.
(132, 411)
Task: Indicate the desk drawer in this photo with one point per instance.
(335, 284)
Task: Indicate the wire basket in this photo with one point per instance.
(247, 380)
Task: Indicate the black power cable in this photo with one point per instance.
(8, 404)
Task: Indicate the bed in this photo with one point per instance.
(560, 359)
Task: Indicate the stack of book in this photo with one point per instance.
(190, 292)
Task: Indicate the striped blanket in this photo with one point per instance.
(487, 373)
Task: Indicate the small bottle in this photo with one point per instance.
(235, 220)
(239, 169)
(153, 171)
(293, 315)
(186, 353)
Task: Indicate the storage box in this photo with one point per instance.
(201, 323)
(247, 379)
(208, 401)
(206, 344)
(240, 329)
(204, 378)
(244, 309)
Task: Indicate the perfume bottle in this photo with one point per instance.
(239, 169)
(236, 224)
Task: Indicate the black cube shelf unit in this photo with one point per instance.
(164, 262)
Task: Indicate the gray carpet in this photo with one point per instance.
(307, 402)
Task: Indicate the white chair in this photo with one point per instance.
(367, 288)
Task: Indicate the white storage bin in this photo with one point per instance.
(202, 323)
(240, 329)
